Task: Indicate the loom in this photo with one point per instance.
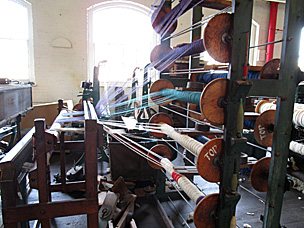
(141, 150)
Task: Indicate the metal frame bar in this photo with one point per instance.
(293, 24)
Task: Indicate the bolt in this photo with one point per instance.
(289, 38)
(33, 179)
(271, 205)
(49, 142)
(277, 153)
(42, 212)
(283, 98)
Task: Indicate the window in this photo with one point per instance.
(121, 38)
(16, 42)
(301, 53)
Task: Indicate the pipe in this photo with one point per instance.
(271, 29)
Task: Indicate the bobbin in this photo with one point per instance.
(259, 175)
(208, 160)
(204, 213)
(271, 69)
(259, 107)
(263, 128)
(158, 53)
(211, 100)
(217, 37)
(160, 118)
(159, 18)
(162, 150)
(193, 107)
(159, 85)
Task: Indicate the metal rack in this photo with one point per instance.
(239, 87)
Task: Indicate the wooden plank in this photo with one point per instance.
(20, 153)
(71, 145)
(49, 210)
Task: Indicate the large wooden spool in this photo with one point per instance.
(159, 85)
(159, 18)
(160, 118)
(263, 128)
(162, 150)
(271, 69)
(217, 37)
(212, 100)
(207, 163)
(259, 175)
(204, 213)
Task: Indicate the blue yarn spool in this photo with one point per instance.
(185, 96)
(202, 139)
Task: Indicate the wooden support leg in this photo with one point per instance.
(8, 193)
(42, 167)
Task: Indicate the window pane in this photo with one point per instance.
(13, 20)
(14, 59)
(301, 54)
(124, 42)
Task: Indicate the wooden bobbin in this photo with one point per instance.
(162, 150)
(217, 37)
(212, 99)
(263, 128)
(271, 69)
(208, 158)
(261, 103)
(195, 115)
(160, 118)
(156, 56)
(159, 18)
(157, 86)
(259, 174)
(204, 213)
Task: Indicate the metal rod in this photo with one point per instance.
(177, 212)
(252, 193)
(179, 152)
(179, 192)
(260, 45)
(194, 120)
(259, 147)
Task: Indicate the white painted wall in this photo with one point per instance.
(59, 71)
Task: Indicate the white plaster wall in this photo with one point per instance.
(59, 71)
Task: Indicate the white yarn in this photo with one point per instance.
(298, 112)
(296, 147)
(191, 190)
(167, 165)
(185, 184)
(267, 106)
(184, 140)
